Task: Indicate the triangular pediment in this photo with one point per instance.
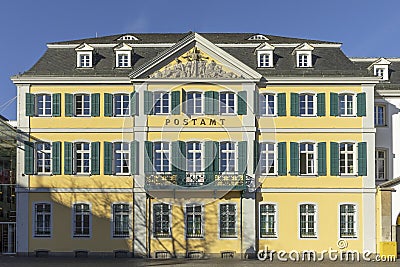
(382, 61)
(123, 47)
(84, 47)
(303, 47)
(195, 64)
(194, 57)
(265, 47)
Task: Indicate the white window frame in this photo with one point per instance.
(268, 213)
(195, 106)
(162, 235)
(307, 103)
(376, 114)
(267, 152)
(228, 110)
(76, 151)
(88, 213)
(85, 59)
(315, 221)
(313, 154)
(303, 59)
(120, 213)
(347, 102)
(355, 221)
(123, 152)
(41, 98)
(382, 70)
(82, 114)
(201, 151)
(162, 151)
(155, 99)
(195, 236)
(229, 165)
(385, 162)
(126, 63)
(44, 152)
(43, 215)
(220, 230)
(265, 59)
(122, 113)
(264, 102)
(346, 153)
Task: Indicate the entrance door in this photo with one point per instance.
(7, 238)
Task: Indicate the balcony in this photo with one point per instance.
(196, 181)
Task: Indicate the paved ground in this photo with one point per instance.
(99, 262)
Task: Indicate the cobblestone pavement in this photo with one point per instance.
(98, 262)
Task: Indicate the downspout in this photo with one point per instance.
(241, 226)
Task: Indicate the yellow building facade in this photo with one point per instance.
(195, 145)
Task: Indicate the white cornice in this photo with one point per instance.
(388, 92)
(372, 59)
(317, 130)
(318, 190)
(166, 45)
(189, 80)
(321, 80)
(68, 79)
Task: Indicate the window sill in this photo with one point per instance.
(307, 116)
(269, 236)
(42, 236)
(122, 174)
(43, 174)
(269, 175)
(348, 175)
(348, 116)
(313, 175)
(44, 116)
(268, 115)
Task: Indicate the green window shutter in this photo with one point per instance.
(362, 159)
(29, 156)
(216, 157)
(95, 104)
(69, 105)
(242, 103)
(256, 154)
(321, 104)
(242, 157)
(148, 157)
(334, 159)
(211, 103)
(56, 157)
(68, 158)
(322, 159)
(134, 104)
(282, 166)
(56, 105)
(294, 158)
(334, 104)
(29, 104)
(184, 106)
(282, 104)
(178, 157)
(294, 104)
(108, 158)
(95, 158)
(209, 158)
(175, 102)
(256, 108)
(134, 159)
(361, 105)
(108, 105)
(148, 102)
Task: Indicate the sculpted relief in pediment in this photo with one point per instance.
(195, 64)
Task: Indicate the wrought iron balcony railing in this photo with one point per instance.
(198, 180)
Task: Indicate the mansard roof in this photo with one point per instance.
(60, 57)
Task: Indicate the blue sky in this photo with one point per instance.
(366, 28)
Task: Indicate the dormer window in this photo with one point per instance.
(127, 37)
(123, 54)
(381, 68)
(265, 55)
(303, 55)
(84, 56)
(379, 72)
(302, 60)
(257, 37)
(85, 61)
